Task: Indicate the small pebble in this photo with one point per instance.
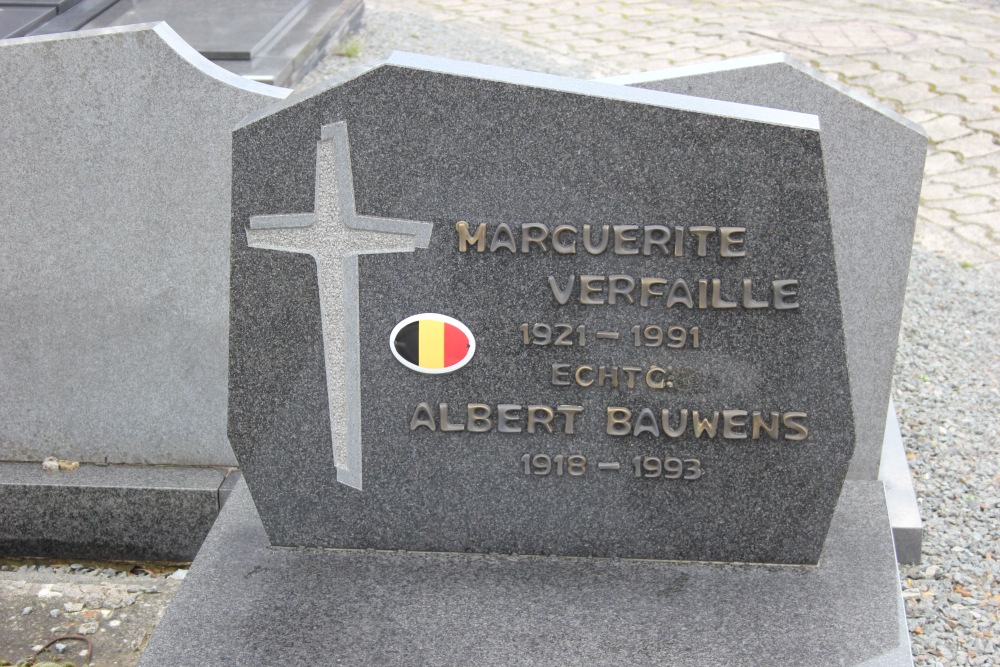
(27, 610)
(59, 647)
(54, 613)
(88, 628)
(72, 607)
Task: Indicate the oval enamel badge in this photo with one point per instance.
(432, 343)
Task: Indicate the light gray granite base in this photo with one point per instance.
(245, 602)
(107, 512)
(901, 499)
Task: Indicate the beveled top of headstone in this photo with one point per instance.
(874, 160)
(672, 385)
(114, 166)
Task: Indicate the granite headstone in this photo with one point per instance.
(649, 282)
(350, 210)
(874, 160)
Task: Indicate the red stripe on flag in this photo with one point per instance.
(456, 345)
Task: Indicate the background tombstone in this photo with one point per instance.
(618, 156)
(114, 264)
(492, 146)
(874, 160)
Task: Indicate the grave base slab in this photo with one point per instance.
(245, 602)
(112, 512)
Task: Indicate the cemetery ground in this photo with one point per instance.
(932, 61)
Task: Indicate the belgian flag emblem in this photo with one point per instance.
(432, 343)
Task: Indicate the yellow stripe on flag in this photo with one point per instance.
(432, 343)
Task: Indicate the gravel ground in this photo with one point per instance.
(948, 398)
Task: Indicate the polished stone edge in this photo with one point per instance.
(109, 512)
(700, 69)
(245, 601)
(900, 498)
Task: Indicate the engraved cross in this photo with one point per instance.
(335, 235)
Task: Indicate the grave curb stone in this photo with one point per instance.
(244, 601)
(108, 512)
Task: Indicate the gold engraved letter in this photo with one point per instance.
(447, 426)
(540, 415)
(717, 300)
(680, 293)
(655, 235)
(479, 418)
(702, 234)
(503, 238)
(588, 242)
(682, 423)
(646, 423)
(646, 289)
(786, 296)
(733, 419)
(618, 421)
(422, 417)
(760, 425)
(728, 245)
(705, 425)
(507, 418)
(561, 293)
(791, 421)
(558, 245)
(569, 412)
(621, 239)
(527, 239)
(748, 301)
(615, 290)
(587, 288)
(464, 238)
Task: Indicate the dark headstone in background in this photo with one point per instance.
(441, 142)
(16, 21)
(271, 41)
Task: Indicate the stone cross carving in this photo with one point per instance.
(335, 235)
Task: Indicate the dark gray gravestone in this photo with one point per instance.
(230, 31)
(17, 21)
(874, 167)
(691, 371)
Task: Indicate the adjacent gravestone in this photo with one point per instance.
(451, 332)
(874, 161)
(114, 280)
(650, 284)
(113, 254)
